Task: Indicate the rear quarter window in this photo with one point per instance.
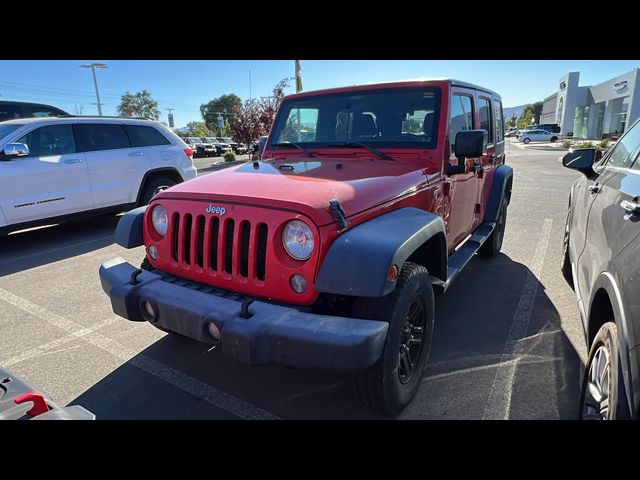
(141, 136)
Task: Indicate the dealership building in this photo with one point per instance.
(596, 111)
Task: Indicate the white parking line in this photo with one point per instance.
(499, 401)
(195, 387)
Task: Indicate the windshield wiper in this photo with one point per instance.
(373, 150)
(307, 153)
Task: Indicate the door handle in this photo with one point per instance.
(595, 188)
(631, 207)
(136, 154)
(72, 160)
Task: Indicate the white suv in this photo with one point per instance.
(54, 168)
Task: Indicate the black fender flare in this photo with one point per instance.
(358, 261)
(626, 333)
(129, 229)
(501, 186)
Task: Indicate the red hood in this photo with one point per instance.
(359, 184)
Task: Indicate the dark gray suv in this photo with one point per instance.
(601, 260)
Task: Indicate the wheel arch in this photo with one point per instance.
(155, 173)
(406, 234)
(606, 305)
(500, 189)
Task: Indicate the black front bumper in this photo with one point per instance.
(273, 334)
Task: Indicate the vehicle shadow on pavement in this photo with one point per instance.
(28, 249)
(473, 321)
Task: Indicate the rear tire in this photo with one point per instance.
(154, 186)
(554, 139)
(492, 245)
(393, 381)
(603, 395)
(526, 140)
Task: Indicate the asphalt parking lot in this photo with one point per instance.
(507, 342)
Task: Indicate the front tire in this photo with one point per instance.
(526, 140)
(603, 394)
(393, 381)
(153, 187)
(491, 247)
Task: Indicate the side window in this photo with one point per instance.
(145, 136)
(36, 111)
(499, 121)
(50, 140)
(484, 108)
(104, 136)
(461, 116)
(621, 155)
(9, 111)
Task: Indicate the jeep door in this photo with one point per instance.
(463, 187)
(490, 119)
(52, 181)
(115, 168)
(614, 218)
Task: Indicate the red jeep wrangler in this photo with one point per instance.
(327, 252)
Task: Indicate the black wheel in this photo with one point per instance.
(603, 394)
(392, 382)
(526, 140)
(554, 139)
(493, 244)
(154, 186)
(566, 259)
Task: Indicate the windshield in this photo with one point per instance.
(227, 139)
(220, 139)
(211, 140)
(193, 140)
(7, 129)
(391, 118)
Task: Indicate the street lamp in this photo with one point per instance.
(93, 67)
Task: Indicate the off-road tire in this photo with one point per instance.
(618, 409)
(380, 387)
(153, 187)
(493, 244)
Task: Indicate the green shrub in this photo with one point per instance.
(604, 143)
(585, 145)
(229, 157)
(566, 144)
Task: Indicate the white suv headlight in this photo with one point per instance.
(160, 220)
(298, 240)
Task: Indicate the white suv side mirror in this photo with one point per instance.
(12, 150)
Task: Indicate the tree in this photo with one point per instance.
(269, 105)
(140, 104)
(254, 118)
(247, 126)
(513, 121)
(198, 129)
(526, 118)
(213, 108)
(227, 129)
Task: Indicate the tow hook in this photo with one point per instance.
(134, 277)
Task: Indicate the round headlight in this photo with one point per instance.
(297, 239)
(160, 220)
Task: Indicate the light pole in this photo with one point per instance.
(93, 67)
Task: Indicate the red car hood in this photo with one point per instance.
(307, 184)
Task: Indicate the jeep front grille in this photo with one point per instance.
(221, 245)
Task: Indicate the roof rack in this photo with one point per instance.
(104, 116)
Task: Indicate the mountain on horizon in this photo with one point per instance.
(509, 111)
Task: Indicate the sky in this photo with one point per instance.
(184, 85)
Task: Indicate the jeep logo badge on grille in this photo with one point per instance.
(217, 210)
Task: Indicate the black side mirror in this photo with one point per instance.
(471, 144)
(581, 159)
(261, 143)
